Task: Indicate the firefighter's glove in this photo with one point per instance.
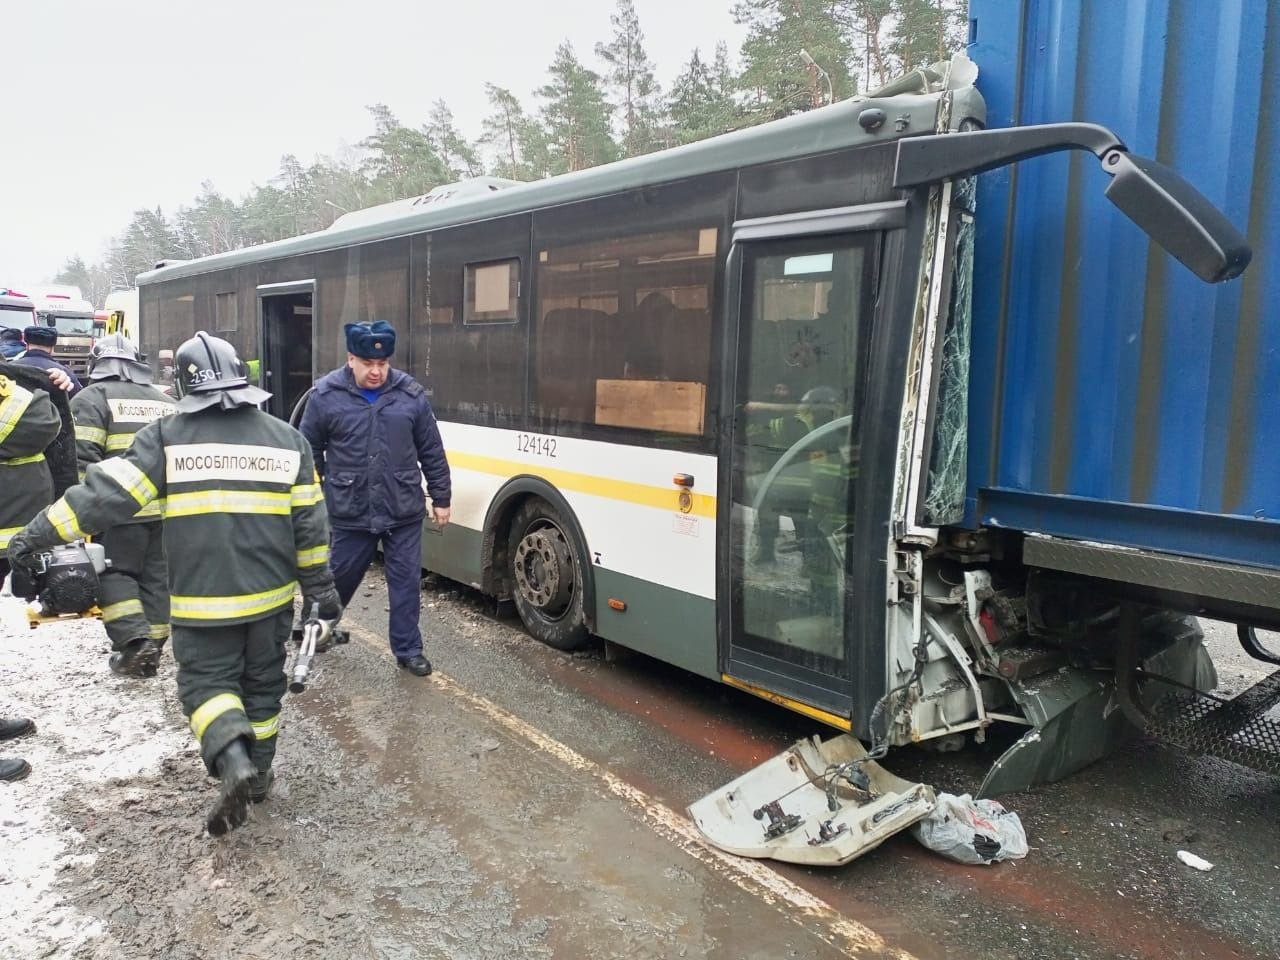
(23, 553)
(329, 601)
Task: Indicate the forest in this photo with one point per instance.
(591, 108)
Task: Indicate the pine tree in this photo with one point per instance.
(777, 30)
(148, 239)
(869, 23)
(701, 103)
(93, 281)
(926, 31)
(575, 115)
(630, 75)
(514, 140)
(211, 225)
(74, 273)
(457, 155)
(402, 162)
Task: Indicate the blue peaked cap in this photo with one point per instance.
(371, 341)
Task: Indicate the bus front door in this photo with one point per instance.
(804, 308)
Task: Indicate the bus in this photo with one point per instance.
(709, 404)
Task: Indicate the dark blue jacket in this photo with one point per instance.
(38, 358)
(373, 456)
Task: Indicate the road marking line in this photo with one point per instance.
(752, 876)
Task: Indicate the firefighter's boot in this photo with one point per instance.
(260, 785)
(13, 768)
(140, 658)
(231, 809)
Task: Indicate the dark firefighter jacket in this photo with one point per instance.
(29, 423)
(108, 413)
(373, 456)
(61, 454)
(244, 518)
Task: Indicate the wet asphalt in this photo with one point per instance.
(1102, 878)
(529, 803)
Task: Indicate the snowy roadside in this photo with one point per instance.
(94, 732)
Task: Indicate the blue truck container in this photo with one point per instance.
(1115, 397)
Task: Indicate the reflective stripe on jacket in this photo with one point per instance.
(244, 518)
(108, 413)
(29, 422)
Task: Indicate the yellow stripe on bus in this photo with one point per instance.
(661, 498)
(830, 719)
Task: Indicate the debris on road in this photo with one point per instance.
(972, 831)
(1196, 863)
(818, 803)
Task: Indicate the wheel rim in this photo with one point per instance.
(544, 569)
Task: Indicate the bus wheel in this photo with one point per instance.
(546, 575)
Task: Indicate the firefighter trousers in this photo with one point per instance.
(135, 590)
(231, 680)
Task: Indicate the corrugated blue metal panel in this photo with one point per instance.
(1102, 369)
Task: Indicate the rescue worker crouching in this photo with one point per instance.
(244, 526)
(119, 402)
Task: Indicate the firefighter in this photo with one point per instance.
(244, 526)
(29, 425)
(119, 402)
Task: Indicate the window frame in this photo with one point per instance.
(469, 269)
(220, 297)
(699, 202)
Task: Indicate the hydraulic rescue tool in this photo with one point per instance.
(314, 633)
(64, 581)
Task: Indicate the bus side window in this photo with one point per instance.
(624, 331)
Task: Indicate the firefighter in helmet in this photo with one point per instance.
(244, 527)
(30, 424)
(118, 402)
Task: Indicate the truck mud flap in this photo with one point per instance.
(780, 810)
(1077, 719)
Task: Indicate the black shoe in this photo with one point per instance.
(260, 785)
(140, 658)
(419, 666)
(231, 809)
(15, 727)
(13, 768)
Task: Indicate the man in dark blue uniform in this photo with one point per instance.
(40, 344)
(11, 342)
(374, 438)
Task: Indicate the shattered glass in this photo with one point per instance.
(948, 461)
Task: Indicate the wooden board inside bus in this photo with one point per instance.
(674, 406)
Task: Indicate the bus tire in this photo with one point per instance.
(546, 576)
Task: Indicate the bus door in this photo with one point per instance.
(804, 303)
(285, 350)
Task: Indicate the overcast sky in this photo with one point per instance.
(108, 107)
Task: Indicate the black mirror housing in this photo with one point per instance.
(1176, 216)
(1167, 208)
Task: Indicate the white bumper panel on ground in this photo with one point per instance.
(780, 809)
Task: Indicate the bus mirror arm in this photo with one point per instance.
(1164, 205)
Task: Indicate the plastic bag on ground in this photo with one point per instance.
(972, 831)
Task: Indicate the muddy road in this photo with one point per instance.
(528, 803)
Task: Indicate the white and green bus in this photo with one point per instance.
(708, 404)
